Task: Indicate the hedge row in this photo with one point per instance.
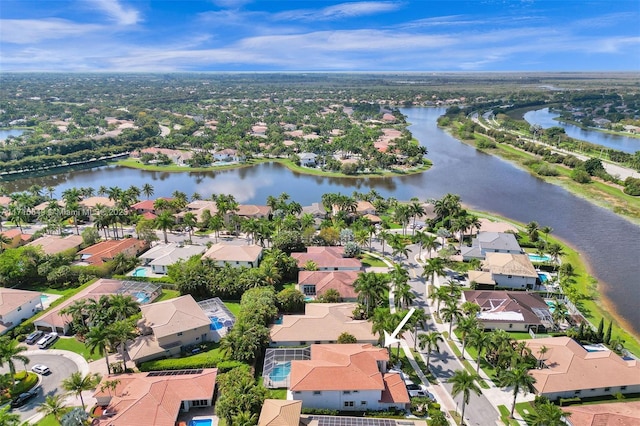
(189, 363)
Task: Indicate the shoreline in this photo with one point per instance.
(134, 164)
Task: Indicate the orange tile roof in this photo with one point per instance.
(105, 251)
(277, 412)
(395, 390)
(52, 244)
(571, 367)
(341, 281)
(612, 414)
(326, 257)
(142, 400)
(355, 364)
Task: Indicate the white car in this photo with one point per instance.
(41, 369)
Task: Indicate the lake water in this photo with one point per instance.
(545, 118)
(5, 133)
(608, 242)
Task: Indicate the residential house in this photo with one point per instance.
(197, 207)
(228, 155)
(321, 323)
(571, 370)
(491, 242)
(347, 377)
(253, 211)
(279, 412)
(17, 306)
(106, 251)
(316, 283)
(316, 210)
(168, 327)
(236, 256)
(611, 414)
(506, 270)
(53, 244)
(54, 320)
(327, 259)
(510, 310)
(307, 159)
(90, 205)
(147, 206)
(163, 255)
(16, 237)
(364, 208)
(154, 398)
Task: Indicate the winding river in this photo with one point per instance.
(609, 243)
(545, 118)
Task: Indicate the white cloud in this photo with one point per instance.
(119, 13)
(339, 11)
(28, 31)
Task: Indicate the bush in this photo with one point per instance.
(569, 401)
(189, 362)
(580, 176)
(485, 144)
(632, 186)
(547, 170)
(320, 411)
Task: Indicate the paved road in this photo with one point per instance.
(61, 368)
(480, 410)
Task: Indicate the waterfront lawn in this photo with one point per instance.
(72, 345)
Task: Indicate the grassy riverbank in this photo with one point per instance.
(135, 164)
(591, 304)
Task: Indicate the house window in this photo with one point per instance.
(179, 334)
(577, 392)
(19, 308)
(317, 392)
(297, 392)
(363, 402)
(346, 392)
(309, 290)
(607, 389)
(623, 388)
(509, 276)
(356, 391)
(510, 325)
(303, 342)
(348, 403)
(200, 403)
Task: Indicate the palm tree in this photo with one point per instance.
(465, 383)
(479, 340)
(77, 311)
(546, 414)
(450, 313)
(147, 190)
(10, 352)
(122, 306)
(165, 221)
(370, 287)
(466, 326)
(546, 230)
(541, 351)
(432, 268)
(4, 242)
(245, 418)
(417, 320)
(53, 405)
(403, 295)
(77, 383)
(120, 332)
(98, 339)
(429, 341)
(519, 378)
(7, 418)
(190, 220)
(555, 251)
(532, 230)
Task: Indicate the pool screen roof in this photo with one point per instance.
(132, 287)
(275, 356)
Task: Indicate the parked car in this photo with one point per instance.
(21, 399)
(420, 393)
(414, 387)
(34, 337)
(41, 369)
(47, 340)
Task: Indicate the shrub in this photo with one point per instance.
(632, 186)
(485, 144)
(580, 176)
(187, 363)
(320, 411)
(547, 170)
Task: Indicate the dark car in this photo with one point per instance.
(21, 399)
(34, 337)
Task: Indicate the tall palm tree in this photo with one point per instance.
(429, 341)
(98, 339)
(519, 378)
(479, 339)
(418, 321)
(541, 351)
(451, 313)
(120, 333)
(432, 268)
(122, 306)
(77, 383)
(466, 326)
(77, 310)
(245, 418)
(370, 287)
(10, 351)
(53, 405)
(403, 295)
(546, 414)
(147, 190)
(165, 221)
(465, 383)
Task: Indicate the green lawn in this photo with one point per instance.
(50, 420)
(71, 344)
(278, 393)
(504, 416)
(167, 294)
(370, 261)
(234, 307)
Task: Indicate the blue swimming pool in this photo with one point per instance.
(551, 304)
(140, 272)
(543, 277)
(216, 324)
(537, 258)
(201, 422)
(142, 297)
(44, 298)
(280, 372)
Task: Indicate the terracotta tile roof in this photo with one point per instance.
(509, 264)
(373, 218)
(327, 257)
(322, 322)
(355, 364)
(103, 286)
(149, 216)
(92, 202)
(250, 210)
(514, 306)
(142, 400)
(365, 206)
(612, 414)
(11, 299)
(174, 316)
(395, 390)
(105, 251)
(228, 253)
(52, 244)
(571, 367)
(341, 281)
(278, 412)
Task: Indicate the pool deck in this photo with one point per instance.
(199, 413)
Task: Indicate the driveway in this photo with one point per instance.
(61, 368)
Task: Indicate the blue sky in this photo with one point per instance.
(294, 35)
